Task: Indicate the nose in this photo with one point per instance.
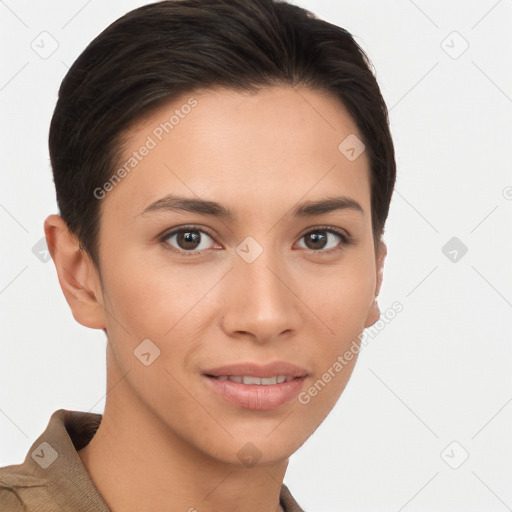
(262, 300)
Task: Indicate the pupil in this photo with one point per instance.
(188, 239)
(316, 237)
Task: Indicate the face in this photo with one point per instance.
(261, 284)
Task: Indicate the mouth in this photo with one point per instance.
(257, 387)
(252, 381)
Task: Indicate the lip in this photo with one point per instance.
(254, 396)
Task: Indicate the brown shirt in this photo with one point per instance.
(52, 477)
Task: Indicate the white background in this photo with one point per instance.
(439, 372)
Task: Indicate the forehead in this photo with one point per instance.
(244, 148)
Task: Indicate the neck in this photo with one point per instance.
(137, 463)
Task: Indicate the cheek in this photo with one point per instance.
(345, 295)
(335, 353)
(152, 295)
(342, 306)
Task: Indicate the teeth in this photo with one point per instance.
(251, 380)
(262, 381)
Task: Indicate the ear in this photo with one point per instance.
(374, 311)
(77, 274)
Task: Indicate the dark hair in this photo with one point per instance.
(163, 50)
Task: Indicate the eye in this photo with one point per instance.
(324, 239)
(189, 240)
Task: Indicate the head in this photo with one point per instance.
(222, 193)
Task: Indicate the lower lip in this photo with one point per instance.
(254, 396)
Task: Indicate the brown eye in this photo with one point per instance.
(323, 240)
(188, 239)
(316, 240)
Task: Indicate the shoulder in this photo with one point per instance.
(22, 492)
(287, 501)
(52, 477)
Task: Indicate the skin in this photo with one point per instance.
(167, 442)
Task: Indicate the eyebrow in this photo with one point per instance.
(173, 202)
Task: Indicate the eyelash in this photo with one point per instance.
(345, 238)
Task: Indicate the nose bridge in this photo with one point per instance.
(259, 267)
(260, 301)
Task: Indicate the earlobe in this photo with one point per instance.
(373, 314)
(77, 275)
(374, 311)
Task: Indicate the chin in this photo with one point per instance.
(254, 449)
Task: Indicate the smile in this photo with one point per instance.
(260, 381)
(254, 386)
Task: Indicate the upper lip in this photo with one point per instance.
(258, 370)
